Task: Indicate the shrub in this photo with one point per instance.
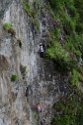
(79, 7)
(69, 109)
(72, 50)
(56, 32)
(14, 77)
(79, 117)
(56, 4)
(23, 69)
(58, 53)
(75, 78)
(9, 28)
(29, 11)
(69, 22)
(37, 25)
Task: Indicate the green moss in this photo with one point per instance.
(14, 77)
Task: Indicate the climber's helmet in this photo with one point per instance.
(40, 44)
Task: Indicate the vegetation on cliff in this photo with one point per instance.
(66, 46)
(68, 111)
(66, 49)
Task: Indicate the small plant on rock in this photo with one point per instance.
(36, 25)
(14, 77)
(23, 69)
(9, 28)
(29, 11)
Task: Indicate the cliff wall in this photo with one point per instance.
(36, 79)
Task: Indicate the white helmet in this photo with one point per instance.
(40, 44)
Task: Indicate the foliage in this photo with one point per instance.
(75, 78)
(69, 109)
(9, 28)
(29, 11)
(32, 13)
(23, 69)
(72, 45)
(14, 77)
(57, 52)
(79, 117)
(36, 24)
(68, 51)
(79, 7)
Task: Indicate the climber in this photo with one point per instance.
(38, 107)
(40, 122)
(41, 50)
(27, 91)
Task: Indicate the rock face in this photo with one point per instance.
(37, 80)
